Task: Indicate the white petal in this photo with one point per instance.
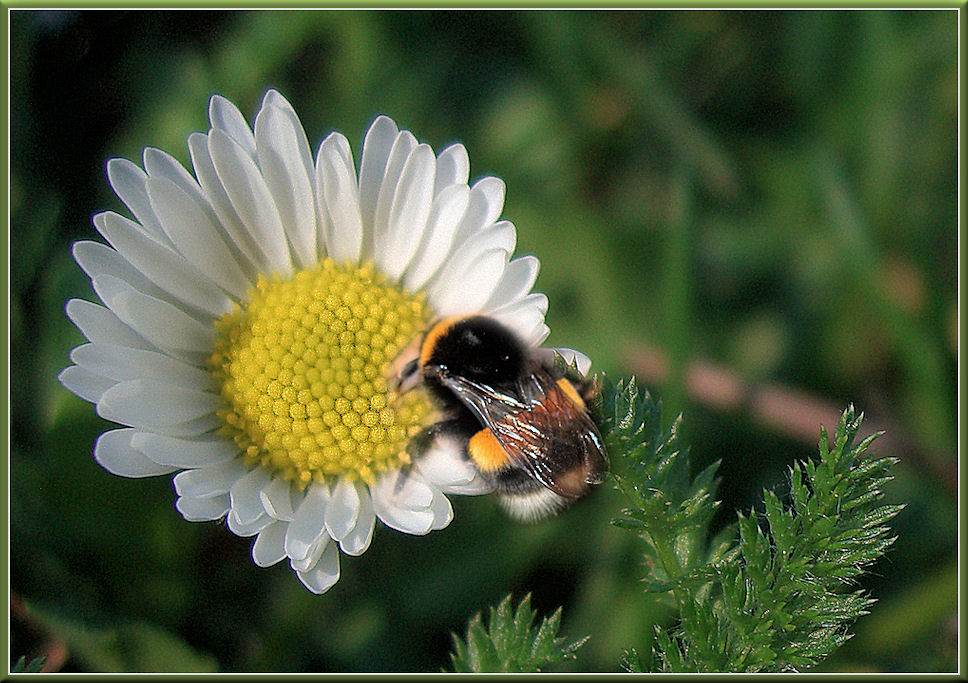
(203, 509)
(286, 164)
(245, 495)
(447, 468)
(477, 486)
(100, 261)
(196, 236)
(270, 545)
(445, 215)
(343, 509)
(465, 290)
(251, 257)
(537, 336)
(84, 383)
(453, 166)
(148, 404)
(409, 212)
(442, 510)
(416, 522)
(246, 529)
(128, 181)
(584, 363)
(470, 271)
(192, 428)
(313, 555)
(493, 190)
(500, 235)
(445, 465)
(162, 265)
(486, 203)
(277, 499)
(373, 162)
(337, 195)
(161, 164)
(161, 323)
(274, 98)
(229, 231)
(324, 574)
(393, 499)
(121, 363)
(211, 481)
(113, 452)
(524, 316)
(309, 522)
(358, 539)
(518, 279)
(407, 490)
(185, 453)
(226, 117)
(399, 153)
(100, 324)
(250, 197)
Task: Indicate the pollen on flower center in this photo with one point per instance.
(302, 371)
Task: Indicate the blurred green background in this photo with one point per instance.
(754, 211)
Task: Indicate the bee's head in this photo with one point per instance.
(404, 372)
(477, 348)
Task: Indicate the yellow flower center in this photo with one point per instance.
(302, 371)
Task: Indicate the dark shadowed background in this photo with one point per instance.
(753, 211)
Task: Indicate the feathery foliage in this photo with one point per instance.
(509, 644)
(778, 598)
(32, 667)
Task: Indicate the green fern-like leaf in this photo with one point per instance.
(651, 467)
(772, 592)
(32, 667)
(509, 643)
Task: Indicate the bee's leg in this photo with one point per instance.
(419, 443)
(453, 427)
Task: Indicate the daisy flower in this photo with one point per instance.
(251, 308)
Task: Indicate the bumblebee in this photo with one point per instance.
(516, 413)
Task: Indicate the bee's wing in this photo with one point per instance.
(523, 420)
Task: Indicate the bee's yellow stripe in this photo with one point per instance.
(487, 452)
(569, 390)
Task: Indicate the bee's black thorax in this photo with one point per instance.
(483, 350)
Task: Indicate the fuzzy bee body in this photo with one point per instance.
(521, 422)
